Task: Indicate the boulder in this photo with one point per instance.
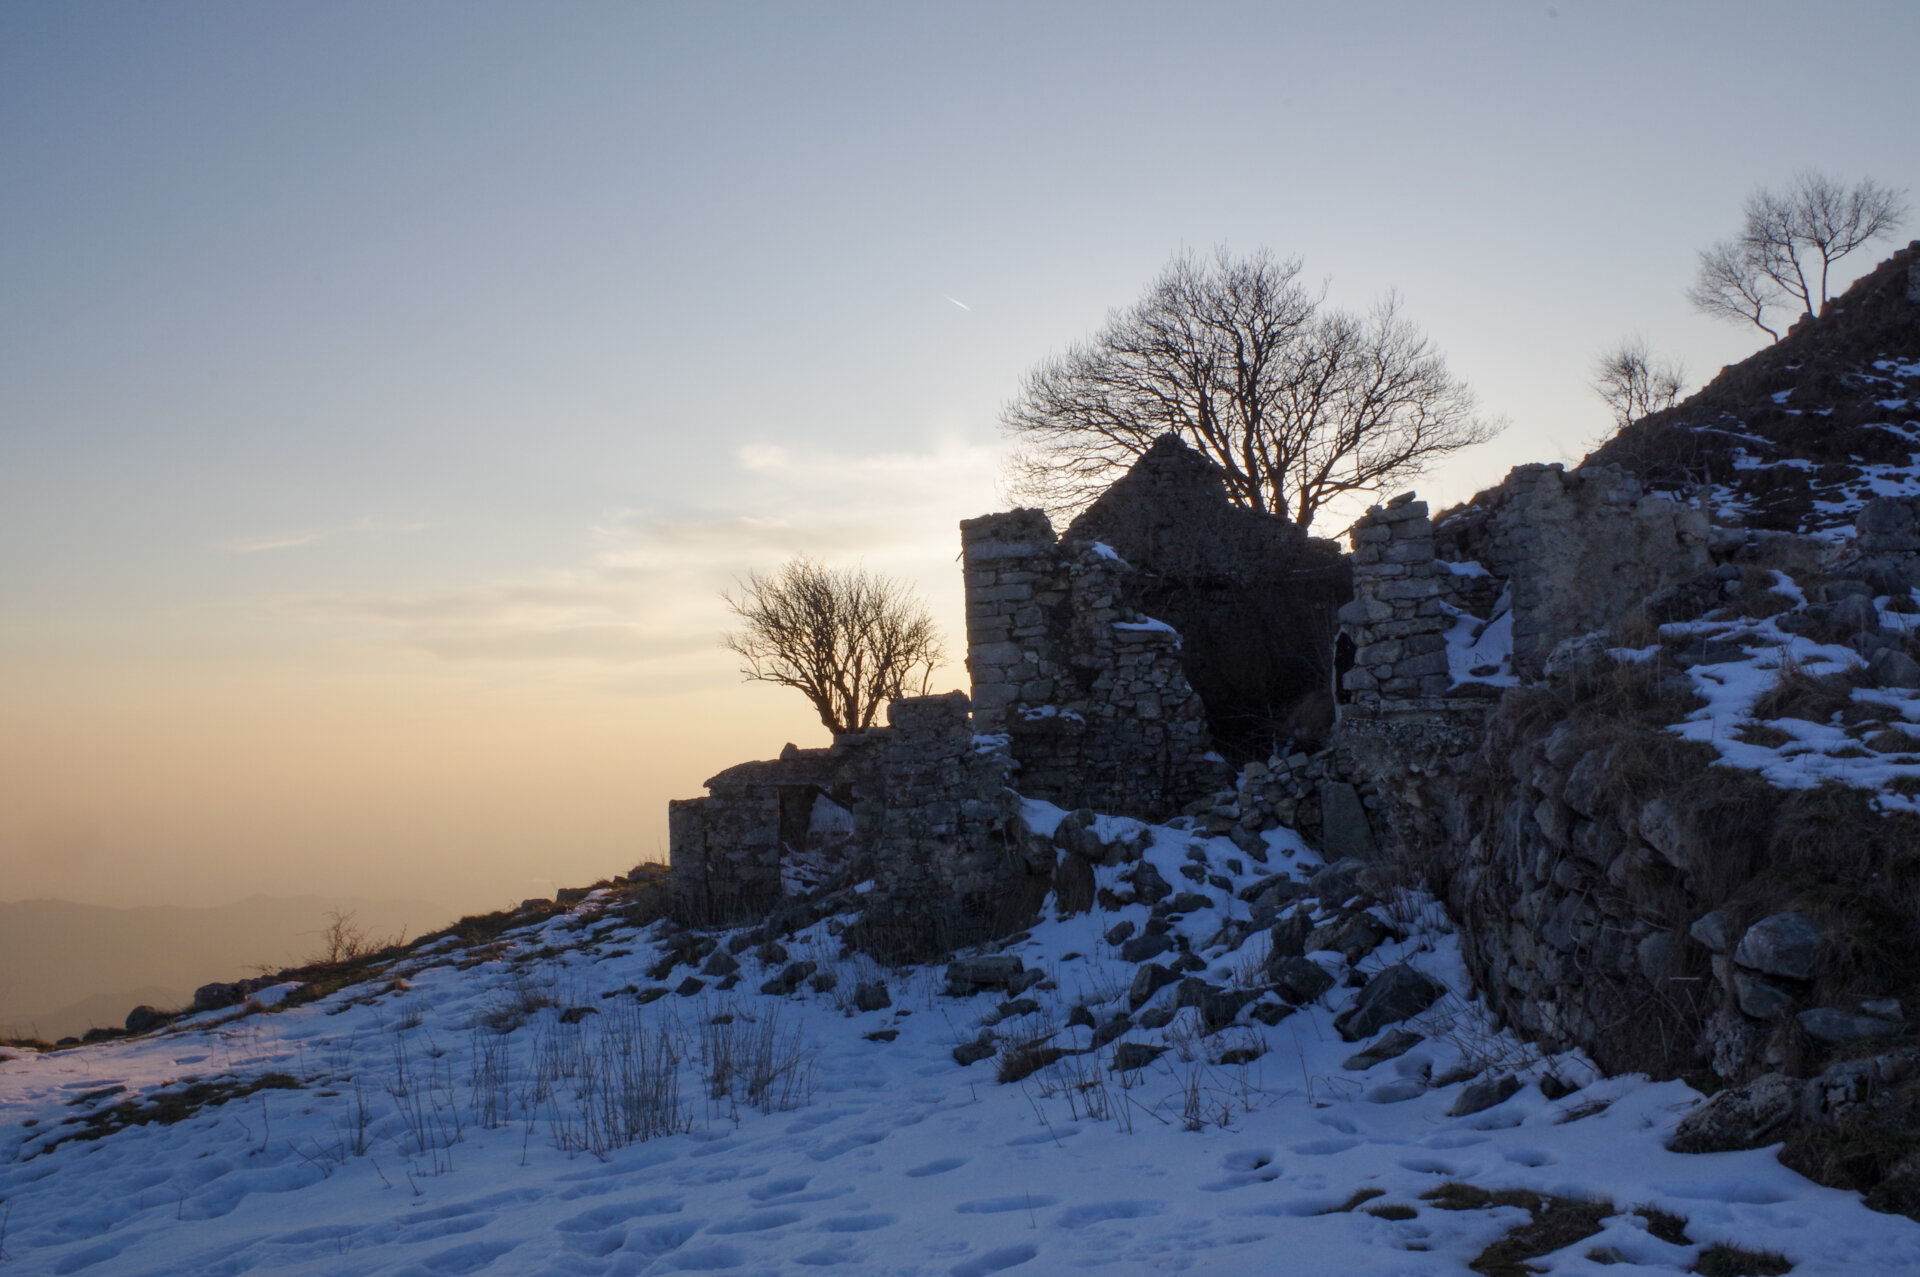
(1344, 830)
(789, 979)
(1394, 1044)
(1761, 999)
(1271, 1013)
(1112, 1029)
(1711, 931)
(720, 963)
(1392, 996)
(1336, 880)
(1147, 981)
(973, 1052)
(1784, 944)
(142, 1019)
(1891, 667)
(1287, 938)
(1148, 886)
(871, 995)
(1219, 1008)
(1740, 1117)
(1823, 1024)
(1129, 1056)
(1353, 937)
(1119, 932)
(967, 976)
(1479, 1096)
(1140, 948)
(1298, 980)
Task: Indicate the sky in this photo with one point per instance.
(387, 392)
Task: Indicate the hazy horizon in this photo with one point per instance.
(387, 393)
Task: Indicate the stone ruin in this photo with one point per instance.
(1080, 696)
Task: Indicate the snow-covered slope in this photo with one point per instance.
(519, 1108)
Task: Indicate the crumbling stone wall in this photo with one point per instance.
(1252, 596)
(1396, 624)
(1089, 693)
(729, 849)
(1580, 549)
(954, 864)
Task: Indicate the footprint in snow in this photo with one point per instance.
(1249, 1166)
(858, 1223)
(618, 1213)
(1048, 1136)
(1001, 1205)
(995, 1261)
(778, 1188)
(428, 1230)
(707, 1259)
(470, 1258)
(1101, 1212)
(756, 1222)
(939, 1166)
(1430, 1166)
(1326, 1147)
(1531, 1156)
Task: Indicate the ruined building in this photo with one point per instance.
(1085, 692)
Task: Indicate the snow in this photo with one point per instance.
(419, 1138)
(1105, 551)
(1812, 753)
(1146, 624)
(1482, 651)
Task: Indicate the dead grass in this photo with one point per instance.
(1763, 735)
(1813, 698)
(164, 1108)
(1557, 1222)
(1722, 1260)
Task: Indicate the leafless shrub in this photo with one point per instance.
(1633, 383)
(847, 639)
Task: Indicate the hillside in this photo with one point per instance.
(1793, 437)
(68, 967)
(586, 1092)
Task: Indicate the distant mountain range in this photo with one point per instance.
(66, 967)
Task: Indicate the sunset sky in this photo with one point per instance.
(387, 391)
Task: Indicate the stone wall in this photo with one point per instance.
(1396, 625)
(734, 852)
(1581, 549)
(1090, 694)
(954, 864)
(1252, 596)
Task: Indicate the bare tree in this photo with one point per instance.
(847, 639)
(1784, 254)
(1634, 384)
(1297, 403)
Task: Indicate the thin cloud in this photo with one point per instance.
(644, 601)
(300, 540)
(956, 301)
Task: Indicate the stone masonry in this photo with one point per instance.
(1397, 623)
(1090, 694)
(1580, 549)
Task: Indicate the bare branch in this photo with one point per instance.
(1633, 383)
(847, 639)
(1733, 285)
(1297, 404)
(1788, 245)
